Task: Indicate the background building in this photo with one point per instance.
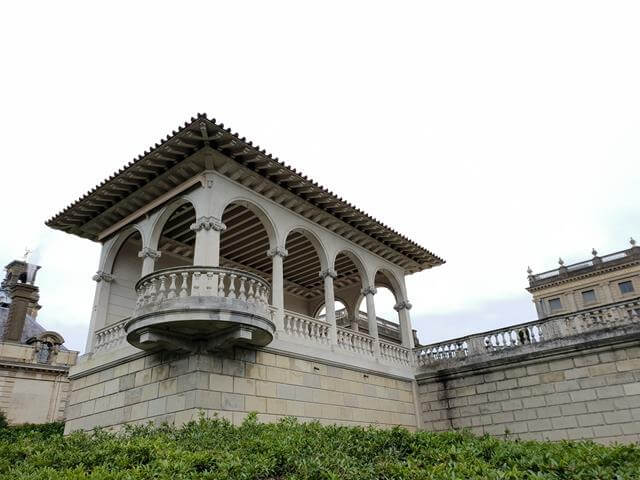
(34, 364)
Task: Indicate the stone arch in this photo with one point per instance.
(357, 261)
(321, 305)
(162, 218)
(262, 214)
(315, 240)
(118, 240)
(386, 278)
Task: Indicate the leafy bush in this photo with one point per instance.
(214, 449)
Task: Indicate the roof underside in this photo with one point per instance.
(172, 162)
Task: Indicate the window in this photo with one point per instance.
(555, 304)
(626, 287)
(589, 296)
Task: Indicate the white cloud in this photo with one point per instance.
(497, 134)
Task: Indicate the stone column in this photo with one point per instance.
(277, 255)
(369, 292)
(207, 248)
(328, 276)
(24, 297)
(539, 309)
(406, 332)
(99, 312)
(149, 257)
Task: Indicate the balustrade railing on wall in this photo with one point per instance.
(305, 328)
(395, 353)
(111, 337)
(355, 342)
(510, 339)
(195, 281)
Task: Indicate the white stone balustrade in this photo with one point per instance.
(394, 353)
(532, 335)
(111, 337)
(184, 282)
(355, 342)
(306, 329)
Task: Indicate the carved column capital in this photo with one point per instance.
(405, 304)
(277, 251)
(101, 276)
(370, 290)
(147, 252)
(208, 223)
(329, 272)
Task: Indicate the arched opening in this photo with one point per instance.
(348, 285)
(387, 317)
(177, 241)
(342, 313)
(126, 270)
(303, 287)
(245, 241)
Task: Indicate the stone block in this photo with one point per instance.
(567, 386)
(494, 376)
(511, 405)
(632, 389)
(208, 399)
(133, 396)
(507, 384)
(576, 373)
(244, 385)
(232, 401)
(149, 391)
(112, 386)
(610, 392)
(602, 369)
(142, 377)
(552, 377)
(245, 355)
(592, 382)
(543, 389)
(139, 411)
(266, 389)
(127, 381)
(157, 406)
(278, 375)
(537, 368)
(631, 428)
(256, 371)
(503, 417)
(159, 372)
(580, 433)
(573, 408)
(626, 365)
(168, 387)
(618, 378)
(477, 399)
(486, 387)
(607, 430)
(221, 383)
(556, 435)
(116, 400)
(87, 408)
(557, 398)
(564, 422)
(520, 392)
(601, 406)
(586, 360)
(521, 415)
(590, 419)
(96, 391)
(278, 406)
(289, 392)
(120, 370)
(255, 404)
(265, 358)
(179, 367)
(549, 412)
(563, 364)
(176, 402)
(515, 372)
(529, 380)
(498, 396)
(539, 425)
(492, 407)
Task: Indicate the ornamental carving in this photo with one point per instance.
(208, 223)
(371, 290)
(101, 276)
(329, 272)
(147, 252)
(405, 304)
(277, 251)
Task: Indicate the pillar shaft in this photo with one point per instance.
(329, 303)
(277, 284)
(369, 292)
(406, 331)
(207, 248)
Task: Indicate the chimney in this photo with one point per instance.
(24, 297)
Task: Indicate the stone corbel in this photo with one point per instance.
(207, 179)
(405, 304)
(370, 290)
(208, 223)
(329, 272)
(277, 251)
(101, 276)
(147, 252)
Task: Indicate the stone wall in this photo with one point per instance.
(165, 387)
(589, 393)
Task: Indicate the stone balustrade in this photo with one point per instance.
(394, 353)
(183, 282)
(355, 342)
(526, 337)
(111, 337)
(306, 329)
(195, 307)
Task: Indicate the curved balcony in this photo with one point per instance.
(198, 308)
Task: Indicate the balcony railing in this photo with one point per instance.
(197, 307)
(530, 336)
(111, 337)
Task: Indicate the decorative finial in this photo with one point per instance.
(632, 242)
(594, 252)
(560, 261)
(529, 271)
(27, 252)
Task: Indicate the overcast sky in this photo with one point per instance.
(496, 134)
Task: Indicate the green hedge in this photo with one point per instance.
(214, 449)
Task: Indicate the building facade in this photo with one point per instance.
(34, 364)
(216, 291)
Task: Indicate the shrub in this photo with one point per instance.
(214, 449)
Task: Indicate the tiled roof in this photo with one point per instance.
(102, 205)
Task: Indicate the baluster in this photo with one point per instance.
(221, 276)
(172, 286)
(162, 290)
(232, 285)
(287, 324)
(209, 292)
(146, 286)
(251, 291)
(195, 284)
(183, 285)
(241, 292)
(152, 291)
